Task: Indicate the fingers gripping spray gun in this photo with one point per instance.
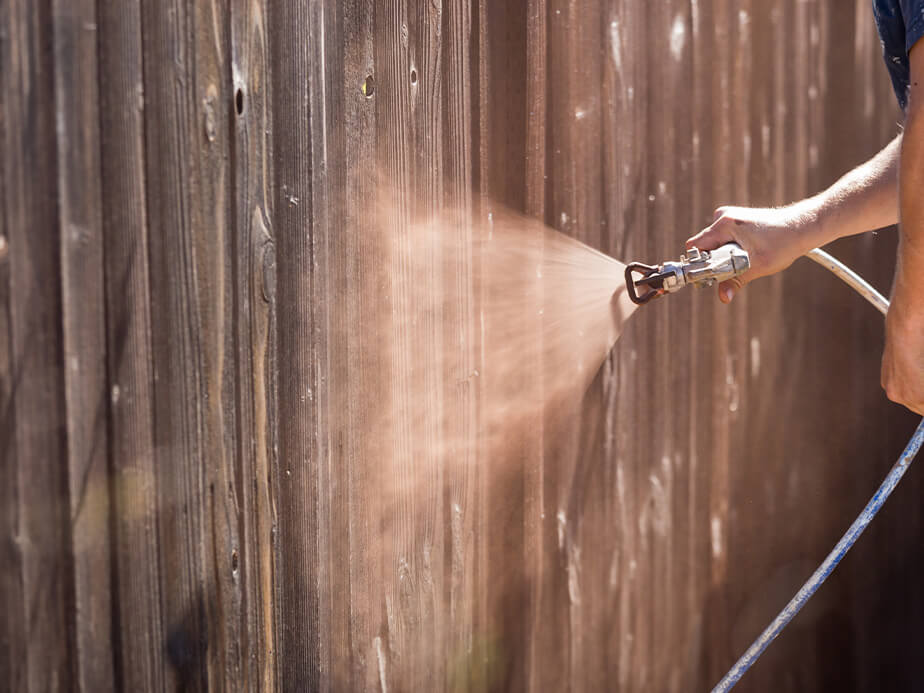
(701, 268)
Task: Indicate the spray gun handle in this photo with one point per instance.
(706, 268)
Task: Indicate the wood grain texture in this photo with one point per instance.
(181, 196)
(84, 336)
(461, 509)
(214, 306)
(140, 658)
(10, 585)
(246, 433)
(252, 257)
(299, 95)
(40, 618)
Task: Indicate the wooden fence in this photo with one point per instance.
(187, 375)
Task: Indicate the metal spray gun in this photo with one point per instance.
(701, 268)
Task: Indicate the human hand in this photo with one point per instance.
(903, 358)
(773, 238)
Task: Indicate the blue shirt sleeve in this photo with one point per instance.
(890, 18)
(913, 14)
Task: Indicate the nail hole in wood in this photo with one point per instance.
(413, 76)
(234, 561)
(239, 101)
(369, 87)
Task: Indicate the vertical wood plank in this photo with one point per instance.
(299, 93)
(185, 208)
(212, 90)
(138, 643)
(10, 584)
(359, 647)
(254, 265)
(423, 78)
(83, 317)
(405, 576)
(500, 653)
(701, 613)
(576, 208)
(42, 578)
(534, 508)
(461, 510)
(11, 587)
(626, 209)
(673, 479)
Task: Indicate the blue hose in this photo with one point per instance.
(856, 529)
(826, 568)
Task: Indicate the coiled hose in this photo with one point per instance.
(757, 648)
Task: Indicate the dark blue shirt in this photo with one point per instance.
(901, 24)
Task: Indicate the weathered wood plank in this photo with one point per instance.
(41, 622)
(507, 462)
(408, 47)
(355, 281)
(663, 495)
(181, 195)
(11, 587)
(402, 580)
(253, 259)
(299, 93)
(138, 648)
(534, 502)
(213, 102)
(461, 510)
(83, 318)
(10, 584)
(575, 208)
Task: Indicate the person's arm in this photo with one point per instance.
(863, 200)
(903, 360)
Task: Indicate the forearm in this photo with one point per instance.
(863, 200)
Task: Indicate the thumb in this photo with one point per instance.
(711, 238)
